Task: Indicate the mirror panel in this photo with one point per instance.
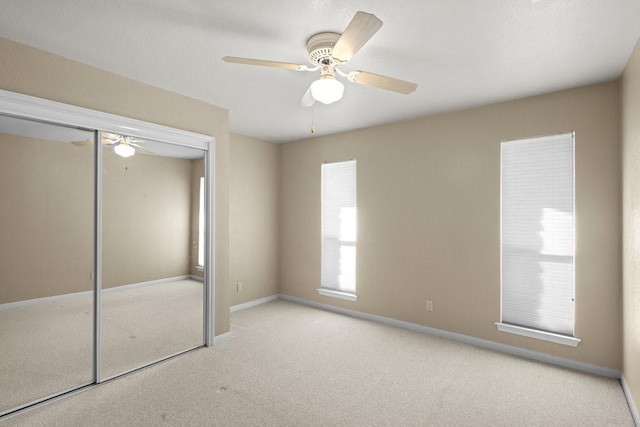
(151, 306)
(46, 260)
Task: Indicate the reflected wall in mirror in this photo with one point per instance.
(152, 291)
(46, 261)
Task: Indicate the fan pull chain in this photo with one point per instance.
(313, 128)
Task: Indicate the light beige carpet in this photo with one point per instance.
(46, 348)
(288, 364)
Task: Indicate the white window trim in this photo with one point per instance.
(537, 334)
(337, 294)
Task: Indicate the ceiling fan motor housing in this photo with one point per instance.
(320, 47)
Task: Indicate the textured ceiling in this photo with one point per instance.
(462, 53)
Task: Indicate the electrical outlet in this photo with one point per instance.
(239, 286)
(429, 305)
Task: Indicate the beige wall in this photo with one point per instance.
(253, 218)
(34, 72)
(46, 217)
(428, 199)
(631, 213)
(429, 217)
(146, 209)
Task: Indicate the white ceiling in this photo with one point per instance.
(462, 53)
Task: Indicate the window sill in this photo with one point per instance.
(540, 335)
(337, 294)
(199, 268)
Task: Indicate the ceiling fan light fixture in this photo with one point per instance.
(327, 90)
(124, 150)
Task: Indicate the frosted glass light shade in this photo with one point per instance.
(124, 150)
(327, 90)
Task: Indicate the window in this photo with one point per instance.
(201, 225)
(338, 263)
(538, 238)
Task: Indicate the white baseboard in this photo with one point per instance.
(58, 298)
(145, 284)
(253, 303)
(196, 278)
(45, 300)
(479, 342)
(632, 405)
(219, 339)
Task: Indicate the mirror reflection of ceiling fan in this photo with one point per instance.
(123, 146)
(327, 53)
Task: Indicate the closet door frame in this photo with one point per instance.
(43, 110)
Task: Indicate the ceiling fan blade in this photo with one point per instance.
(382, 82)
(88, 142)
(109, 138)
(307, 99)
(361, 28)
(140, 147)
(263, 63)
(84, 143)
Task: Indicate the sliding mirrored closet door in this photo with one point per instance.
(152, 294)
(103, 236)
(46, 260)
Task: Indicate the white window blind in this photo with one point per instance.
(538, 233)
(338, 264)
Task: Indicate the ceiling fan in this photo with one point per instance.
(124, 146)
(327, 53)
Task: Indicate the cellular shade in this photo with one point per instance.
(338, 264)
(538, 233)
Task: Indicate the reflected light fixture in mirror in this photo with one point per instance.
(124, 150)
(327, 89)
